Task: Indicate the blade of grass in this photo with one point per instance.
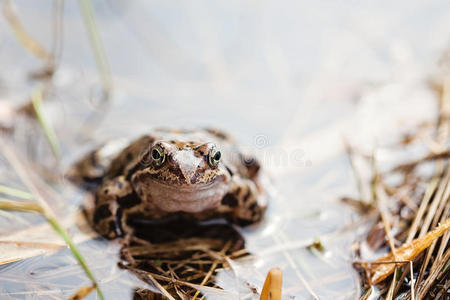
(30, 44)
(423, 206)
(13, 218)
(15, 192)
(356, 175)
(97, 46)
(58, 26)
(36, 208)
(382, 200)
(412, 280)
(6, 204)
(381, 203)
(431, 212)
(424, 288)
(36, 100)
(45, 209)
(35, 245)
(390, 293)
(63, 233)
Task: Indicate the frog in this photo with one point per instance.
(196, 174)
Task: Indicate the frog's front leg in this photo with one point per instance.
(244, 204)
(113, 201)
(90, 170)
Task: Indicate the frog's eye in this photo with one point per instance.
(158, 155)
(214, 157)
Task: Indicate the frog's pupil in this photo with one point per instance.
(217, 155)
(155, 154)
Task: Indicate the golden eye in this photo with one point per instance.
(158, 155)
(214, 157)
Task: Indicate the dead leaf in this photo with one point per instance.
(384, 266)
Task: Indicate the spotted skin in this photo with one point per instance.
(172, 173)
(243, 204)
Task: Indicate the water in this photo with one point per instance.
(289, 80)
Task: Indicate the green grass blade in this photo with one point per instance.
(15, 192)
(6, 204)
(97, 46)
(36, 100)
(76, 253)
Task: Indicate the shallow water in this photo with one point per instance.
(288, 80)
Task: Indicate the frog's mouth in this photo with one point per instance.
(188, 198)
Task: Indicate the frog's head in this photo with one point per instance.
(182, 176)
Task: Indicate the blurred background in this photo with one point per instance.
(290, 80)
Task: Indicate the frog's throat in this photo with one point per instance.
(191, 199)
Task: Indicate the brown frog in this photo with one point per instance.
(195, 174)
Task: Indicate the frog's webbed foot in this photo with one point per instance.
(244, 204)
(112, 200)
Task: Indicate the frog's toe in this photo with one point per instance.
(109, 228)
(106, 221)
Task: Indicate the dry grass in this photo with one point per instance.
(413, 221)
(179, 262)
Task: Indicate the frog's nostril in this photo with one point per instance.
(194, 178)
